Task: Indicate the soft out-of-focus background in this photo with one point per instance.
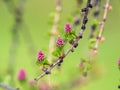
(33, 36)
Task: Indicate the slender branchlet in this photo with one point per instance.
(74, 45)
(7, 87)
(93, 51)
(107, 7)
(54, 30)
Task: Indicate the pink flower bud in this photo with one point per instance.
(40, 56)
(21, 75)
(59, 41)
(119, 61)
(67, 28)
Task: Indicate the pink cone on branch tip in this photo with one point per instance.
(68, 28)
(40, 56)
(59, 41)
(21, 74)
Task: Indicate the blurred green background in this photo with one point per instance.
(36, 22)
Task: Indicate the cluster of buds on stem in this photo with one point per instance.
(69, 36)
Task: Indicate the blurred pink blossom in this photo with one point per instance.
(21, 74)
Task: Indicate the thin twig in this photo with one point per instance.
(102, 24)
(54, 30)
(15, 31)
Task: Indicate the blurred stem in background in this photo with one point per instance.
(17, 11)
(54, 33)
(96, 13)
(54, 30)
(77, 15)
(18, 15)
(10, 5)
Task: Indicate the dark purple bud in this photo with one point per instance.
(83, 27)
(61, 60)
(90, 5)
(85, 20)
(84, 9)
(93, 27)
(77, 21)
(75, 45)
(47, 72)
(96, 13)
(119, 86)
(59, 64)
(80, 36)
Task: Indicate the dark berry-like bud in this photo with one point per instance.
(84, 9)
(75, 45)
(83, 27)
(77, 21)
(93, 27)
(72, 50)
(96, 13)
(85, 20)
(47, 72)
(90, 5)
(59, 64)
(80, 36)
(51, 65)
(61, 60)
(119, 86)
